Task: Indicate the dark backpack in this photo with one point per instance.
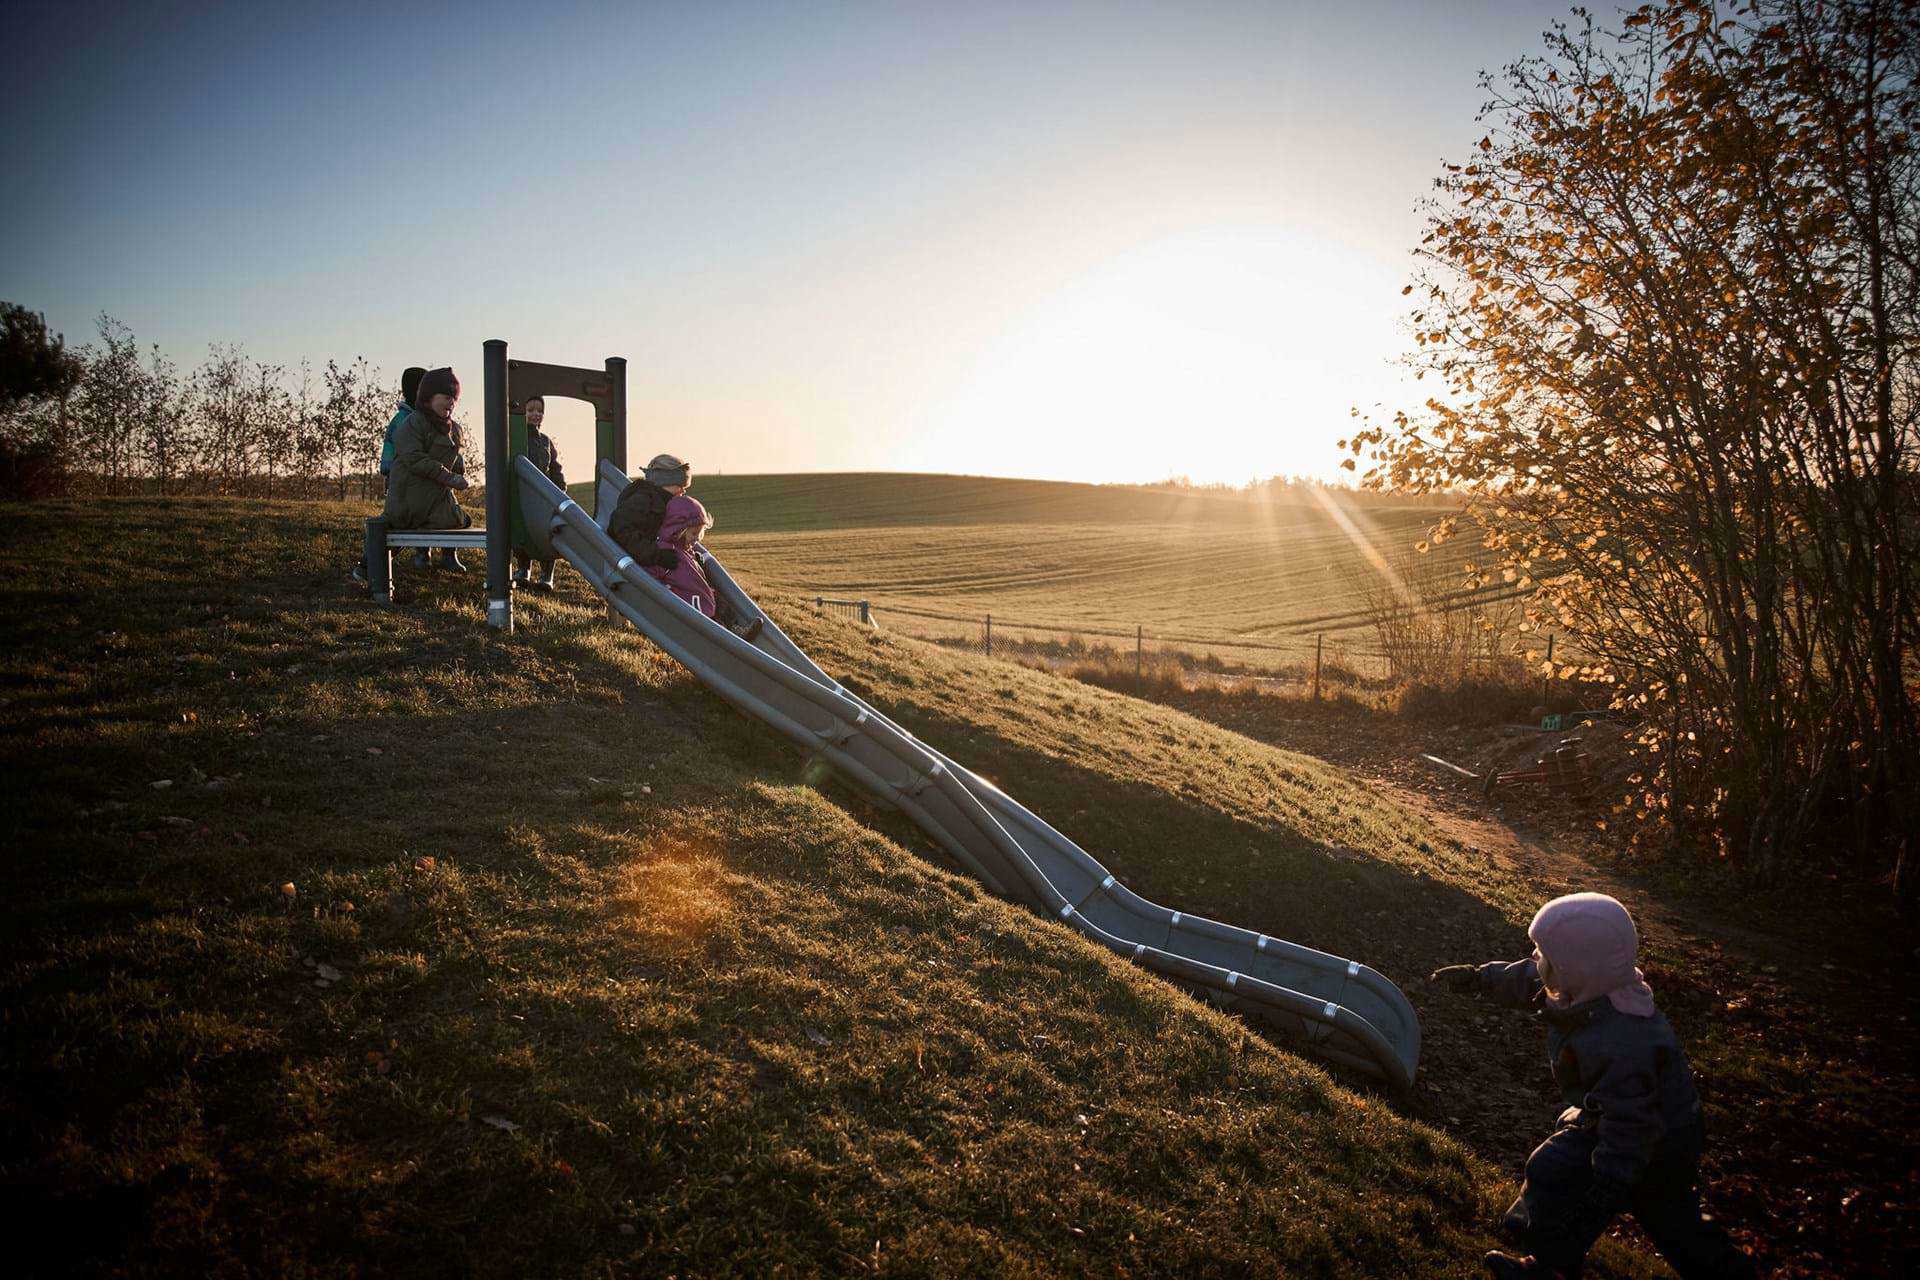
(637, 514)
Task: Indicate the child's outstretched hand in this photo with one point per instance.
(1456, 977)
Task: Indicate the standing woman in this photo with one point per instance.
(428, 466)
(544, 454)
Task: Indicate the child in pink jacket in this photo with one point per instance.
(681, 528)
(683, 525)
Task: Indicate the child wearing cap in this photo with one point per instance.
(544, 454)
(679, 555)
(1631, 1136)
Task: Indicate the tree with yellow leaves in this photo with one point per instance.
(1670, 307)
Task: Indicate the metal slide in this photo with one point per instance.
(1339, 1008)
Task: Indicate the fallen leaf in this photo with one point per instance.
(161, 785)
(375, 751)
(287, 891)
(501, 1123)
(817, 1037)
(327, 973)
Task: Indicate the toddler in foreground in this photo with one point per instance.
(1631, 1136)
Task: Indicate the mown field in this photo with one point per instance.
(579, 975)
(936, 554)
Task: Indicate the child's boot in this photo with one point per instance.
(545, 581)
(420, 560)
(450, 561)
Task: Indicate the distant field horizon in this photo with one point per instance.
(935, 554)
(837, 499)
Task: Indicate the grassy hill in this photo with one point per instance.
(935, 554)
(580, 973)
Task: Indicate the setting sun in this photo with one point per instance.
(1221, 355)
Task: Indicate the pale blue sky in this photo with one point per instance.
(1080, 241)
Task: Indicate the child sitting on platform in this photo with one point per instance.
(1631, 1136)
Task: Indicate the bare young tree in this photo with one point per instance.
(162, 434)
(339, 412)
(109, 406)
(354, 415)
(220, 407)
(308, 441)
(269, 428)
(368, 432)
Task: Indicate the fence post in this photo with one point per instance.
(989, 635)
(819, 603)
(1318, 639)
(866, 613)
(1139, 681)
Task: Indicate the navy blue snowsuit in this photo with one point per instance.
(1630, 1138)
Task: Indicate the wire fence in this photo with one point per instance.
(1303, 658)
(859, 610)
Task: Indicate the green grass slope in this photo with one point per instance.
(580, 975)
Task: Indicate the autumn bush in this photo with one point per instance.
(1670, 303)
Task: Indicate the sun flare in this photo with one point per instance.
(1218, 355)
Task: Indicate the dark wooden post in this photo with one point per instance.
(1139, 642)
(617, 376)
(989, 635)
(1318, 640)
(1547, 679)
(500, 481)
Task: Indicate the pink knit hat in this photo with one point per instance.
(1587, 944)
